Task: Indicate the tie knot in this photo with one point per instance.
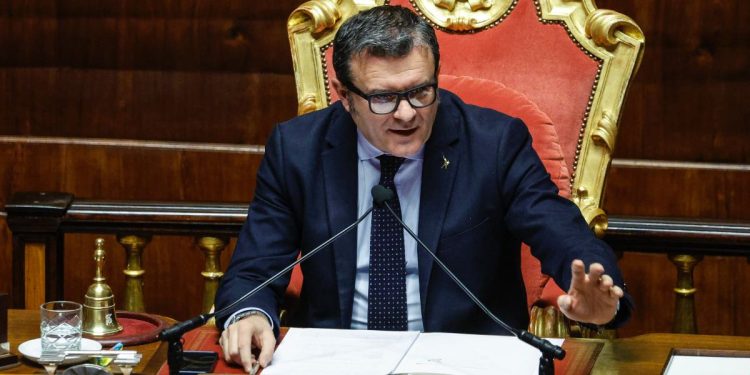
(389, 166)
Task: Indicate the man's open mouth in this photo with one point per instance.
(404, 132)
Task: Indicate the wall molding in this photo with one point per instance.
(670, 164)
(132, 143)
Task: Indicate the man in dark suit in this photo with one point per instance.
(466, 177)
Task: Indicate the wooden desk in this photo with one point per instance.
(647, 354)
(23, 325)
(644, 354)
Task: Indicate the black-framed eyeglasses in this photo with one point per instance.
(386, 102)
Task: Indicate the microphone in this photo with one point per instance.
(174, 333)
(381, 195)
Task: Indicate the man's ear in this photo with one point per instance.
(341, 91)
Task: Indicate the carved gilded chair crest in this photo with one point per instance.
(464, 15)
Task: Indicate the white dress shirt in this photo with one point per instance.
(408, 181)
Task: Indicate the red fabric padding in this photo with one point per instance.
(497, 96)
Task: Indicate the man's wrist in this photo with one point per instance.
(244, 314)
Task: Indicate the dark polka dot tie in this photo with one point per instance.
(386, 305)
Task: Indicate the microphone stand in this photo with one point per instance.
(173, 334)
(550, 351)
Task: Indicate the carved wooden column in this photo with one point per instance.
(134, 246)
(684, 319)
(212, 248)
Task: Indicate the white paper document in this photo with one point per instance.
(695, 365)
(333, 351)
(339, 351)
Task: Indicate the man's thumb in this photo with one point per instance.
(564, 302)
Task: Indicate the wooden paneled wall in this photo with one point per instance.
(688, 104)
(197, 72)
(194, 72)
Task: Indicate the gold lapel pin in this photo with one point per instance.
(446, 162)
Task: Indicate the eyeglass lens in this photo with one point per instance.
(387, 102)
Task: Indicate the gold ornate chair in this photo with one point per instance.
(563, 66)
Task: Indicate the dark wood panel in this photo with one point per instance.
(152, 105)
(6, 261)
(687, 120)
(241, 36)
(688, 101)
(138, 9)
(128, 173)
(651, 279)
(690, 193)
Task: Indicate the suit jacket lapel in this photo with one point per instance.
(340, 179)
(441, 161)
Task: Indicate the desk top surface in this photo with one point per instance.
(645, 354)
(23, 325)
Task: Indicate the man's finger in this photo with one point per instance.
(244, 345)
(617, 291)
(224, 342)
(596, 271)
(578, 271)
(267, 345)
(606, 283)
(246, 355)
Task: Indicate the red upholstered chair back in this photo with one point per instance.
(563, 66)
(493, 94)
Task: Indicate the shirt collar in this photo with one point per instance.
(366, 151)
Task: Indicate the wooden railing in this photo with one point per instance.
(39, 222)
(685, 242)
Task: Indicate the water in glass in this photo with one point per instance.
(61, 326)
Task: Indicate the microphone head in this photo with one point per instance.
(381, 194)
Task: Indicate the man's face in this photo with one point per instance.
(404, 131)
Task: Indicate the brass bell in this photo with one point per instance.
(99, 317)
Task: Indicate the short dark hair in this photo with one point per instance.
(383, 31)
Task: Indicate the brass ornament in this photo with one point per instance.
(134, 246)
(99, 318)
(603, 24)
(605, 132)
(322, 13)
(211, 248)
(464, 15)
(592, 213)
(685, 319)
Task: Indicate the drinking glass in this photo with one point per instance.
(61, 325)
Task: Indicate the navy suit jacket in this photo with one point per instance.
(474, 214)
